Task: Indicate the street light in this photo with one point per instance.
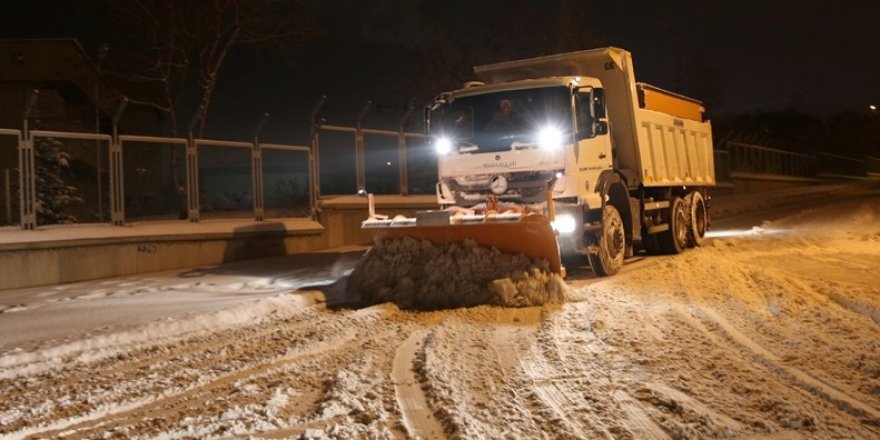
(873, 107)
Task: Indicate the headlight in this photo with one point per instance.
(564, 224)
(443, 145)
(549, 138)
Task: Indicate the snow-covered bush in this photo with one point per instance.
(56, 199)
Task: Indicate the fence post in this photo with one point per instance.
(117, 173)
(359, 150)
(27, 179)
(192, 171)
(257, 170)
(314, 159)
(7, 189)
(401, 151)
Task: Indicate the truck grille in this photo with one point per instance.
(525, 187)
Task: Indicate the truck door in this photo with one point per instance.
(593, 140)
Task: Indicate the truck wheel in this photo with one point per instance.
(675, 240)
(611, 244)
(699, 219)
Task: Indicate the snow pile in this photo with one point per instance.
(95, 348)
(418, 274)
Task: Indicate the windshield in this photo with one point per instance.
(502, 120)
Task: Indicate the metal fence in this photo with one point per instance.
(351, 159)
(722, 165)
(755, 159)
(835, 165)
(10, 194)
(384, 161)
(56, 178)
(740, 159)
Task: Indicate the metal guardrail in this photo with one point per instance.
(739, 158)
(722, 165)
(357, 141)
(71, 135)
(372, 167)
(380, 184)
(134, 175)
(119, 171)
(9, 195)
(842, 167)
(756, 159)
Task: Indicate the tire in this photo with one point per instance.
(611, 244)
(675, 240)
(698, 222)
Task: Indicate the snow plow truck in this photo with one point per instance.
(562, 156)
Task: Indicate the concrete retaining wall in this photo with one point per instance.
(69, 254)
(55, 262)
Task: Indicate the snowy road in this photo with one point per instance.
(33, 316)
(770, 330)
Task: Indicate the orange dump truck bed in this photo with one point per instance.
(664, 101)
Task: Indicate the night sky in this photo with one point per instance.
(738, 56)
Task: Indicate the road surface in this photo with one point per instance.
(770, 330)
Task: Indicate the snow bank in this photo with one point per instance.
(418, 274)
(94, 348)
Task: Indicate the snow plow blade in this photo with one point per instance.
(532, 235)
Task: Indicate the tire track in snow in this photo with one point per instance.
(639, 423)
(418, 418)
(567, 386)
(339, 331)
(824, 389)
(504, 340)
(544, 382)
(865, 309)
(198, 348)
(541, 382)
(177, 401)
(187, 360)
(628, 337)
(635, 417)
(696, 405)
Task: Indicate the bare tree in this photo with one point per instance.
(187, 43)
(487, 34)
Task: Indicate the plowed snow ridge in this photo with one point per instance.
(418, 274)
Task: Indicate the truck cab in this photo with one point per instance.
(515, 140)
